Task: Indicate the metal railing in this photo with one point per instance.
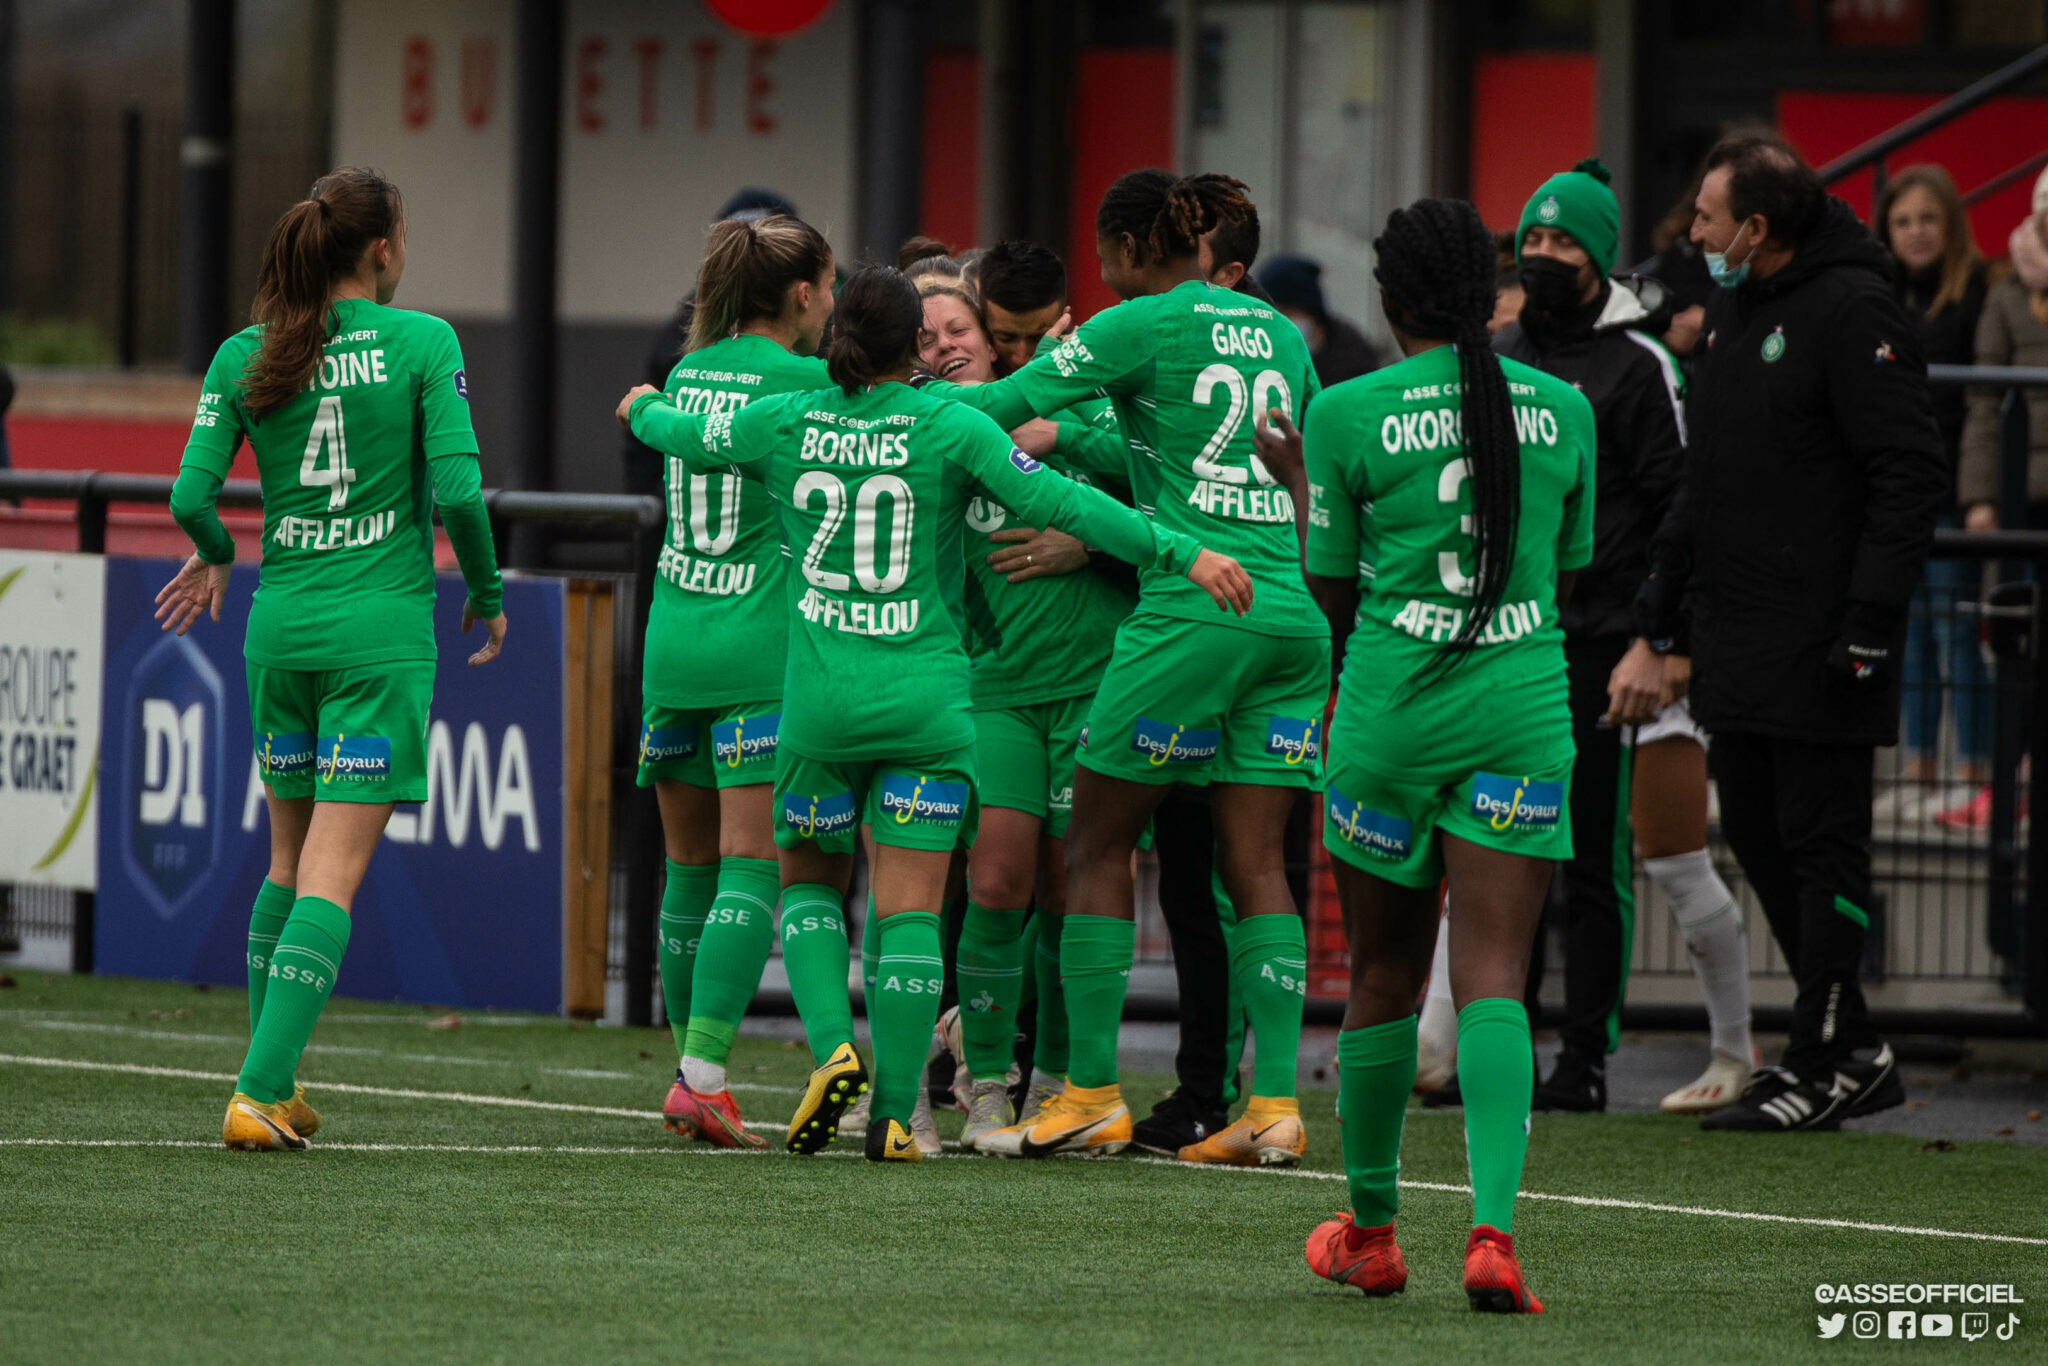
(636, 835)
(1874, 153)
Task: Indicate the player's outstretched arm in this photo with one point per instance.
(202, 582)
(459, 494)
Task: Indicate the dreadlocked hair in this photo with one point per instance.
(1437, 264)
(1168, 215)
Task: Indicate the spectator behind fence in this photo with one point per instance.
(2012, 331)
(1940, 283)
(1340, 351)
(1814, 475)
(1508, 293)
(643, 463)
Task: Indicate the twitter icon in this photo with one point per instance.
(1831, 1324)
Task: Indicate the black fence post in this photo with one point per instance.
(92, 524)
(642, 825)
(131, 234)
(2030, 925)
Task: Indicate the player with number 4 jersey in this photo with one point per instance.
(872, 481)
(351, 409)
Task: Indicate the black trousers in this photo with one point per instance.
(1594, 905)
(1797, 816)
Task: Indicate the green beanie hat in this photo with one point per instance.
(1578, 202)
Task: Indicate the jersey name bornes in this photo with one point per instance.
(871, 491)
(1188, 371)
(348, 565)
(719, 629)
(1390, 502)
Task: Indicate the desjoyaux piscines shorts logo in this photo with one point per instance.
(1293, 740)
(1367, 830)
(1163, 744)
(1516, 803)
(285, 756)
(354, 757)
(814, 816)
(665, 744)
(745, 737)
(913, 797)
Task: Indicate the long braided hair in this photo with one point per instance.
(1436, 264)
(1167, 215)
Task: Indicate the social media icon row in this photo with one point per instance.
(1911, 1323)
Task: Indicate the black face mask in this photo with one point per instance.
(1551, 287)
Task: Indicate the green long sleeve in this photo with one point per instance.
(192, 505)
(459, 494)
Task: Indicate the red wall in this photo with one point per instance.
(1989, 139)
(1123, 120)
(952, 105)
(1532, 116)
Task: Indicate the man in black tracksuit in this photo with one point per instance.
(1814, 476)
(1585, 328)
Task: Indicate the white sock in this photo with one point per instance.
(702, 1075)
(1436, 1033)
(1711, 921)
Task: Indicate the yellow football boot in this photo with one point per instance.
(258, 1128)
(1269, 1135)
(891, 1142)
(832, 1088)
(1080, 1119)
(304, 1118)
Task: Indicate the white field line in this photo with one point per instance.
(1595, 1201)
(351, 1051)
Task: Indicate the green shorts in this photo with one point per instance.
(912, 803)
(343, 735)
(1026, 758)
(729, 746)
(1200, 702)
(1389, 826)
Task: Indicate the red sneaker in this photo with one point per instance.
(1493, 1278)
(676, 1109)
(713, 1116)
(1339, 1250)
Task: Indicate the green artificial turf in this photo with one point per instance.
(668, 1251)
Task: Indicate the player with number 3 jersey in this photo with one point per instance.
(872, 480)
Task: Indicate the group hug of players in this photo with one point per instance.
(853, 638)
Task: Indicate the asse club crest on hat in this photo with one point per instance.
(1547, 210)
(1774, 345)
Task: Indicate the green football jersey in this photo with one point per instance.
(348, 535)
(1187, 371)
(1390, 504)
(872, 492)
(719, 628)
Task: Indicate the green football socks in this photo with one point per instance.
(870, 954)
(991, 973)
(303, 967)
(1049, 1050)
(1269, 965)
(908, 980)
(1233, 1006)
(1375, 1073)
(1496, 1076)
(1095, 967)
(816, 957)
(266, 921)
(738, 933)
(685, 901)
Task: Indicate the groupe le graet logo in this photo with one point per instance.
(1874, 1312)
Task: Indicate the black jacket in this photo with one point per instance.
(1639, 431)
(1814, 475)
(1947, 338)
(1344, 354)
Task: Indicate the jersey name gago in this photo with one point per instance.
(1221, 490)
